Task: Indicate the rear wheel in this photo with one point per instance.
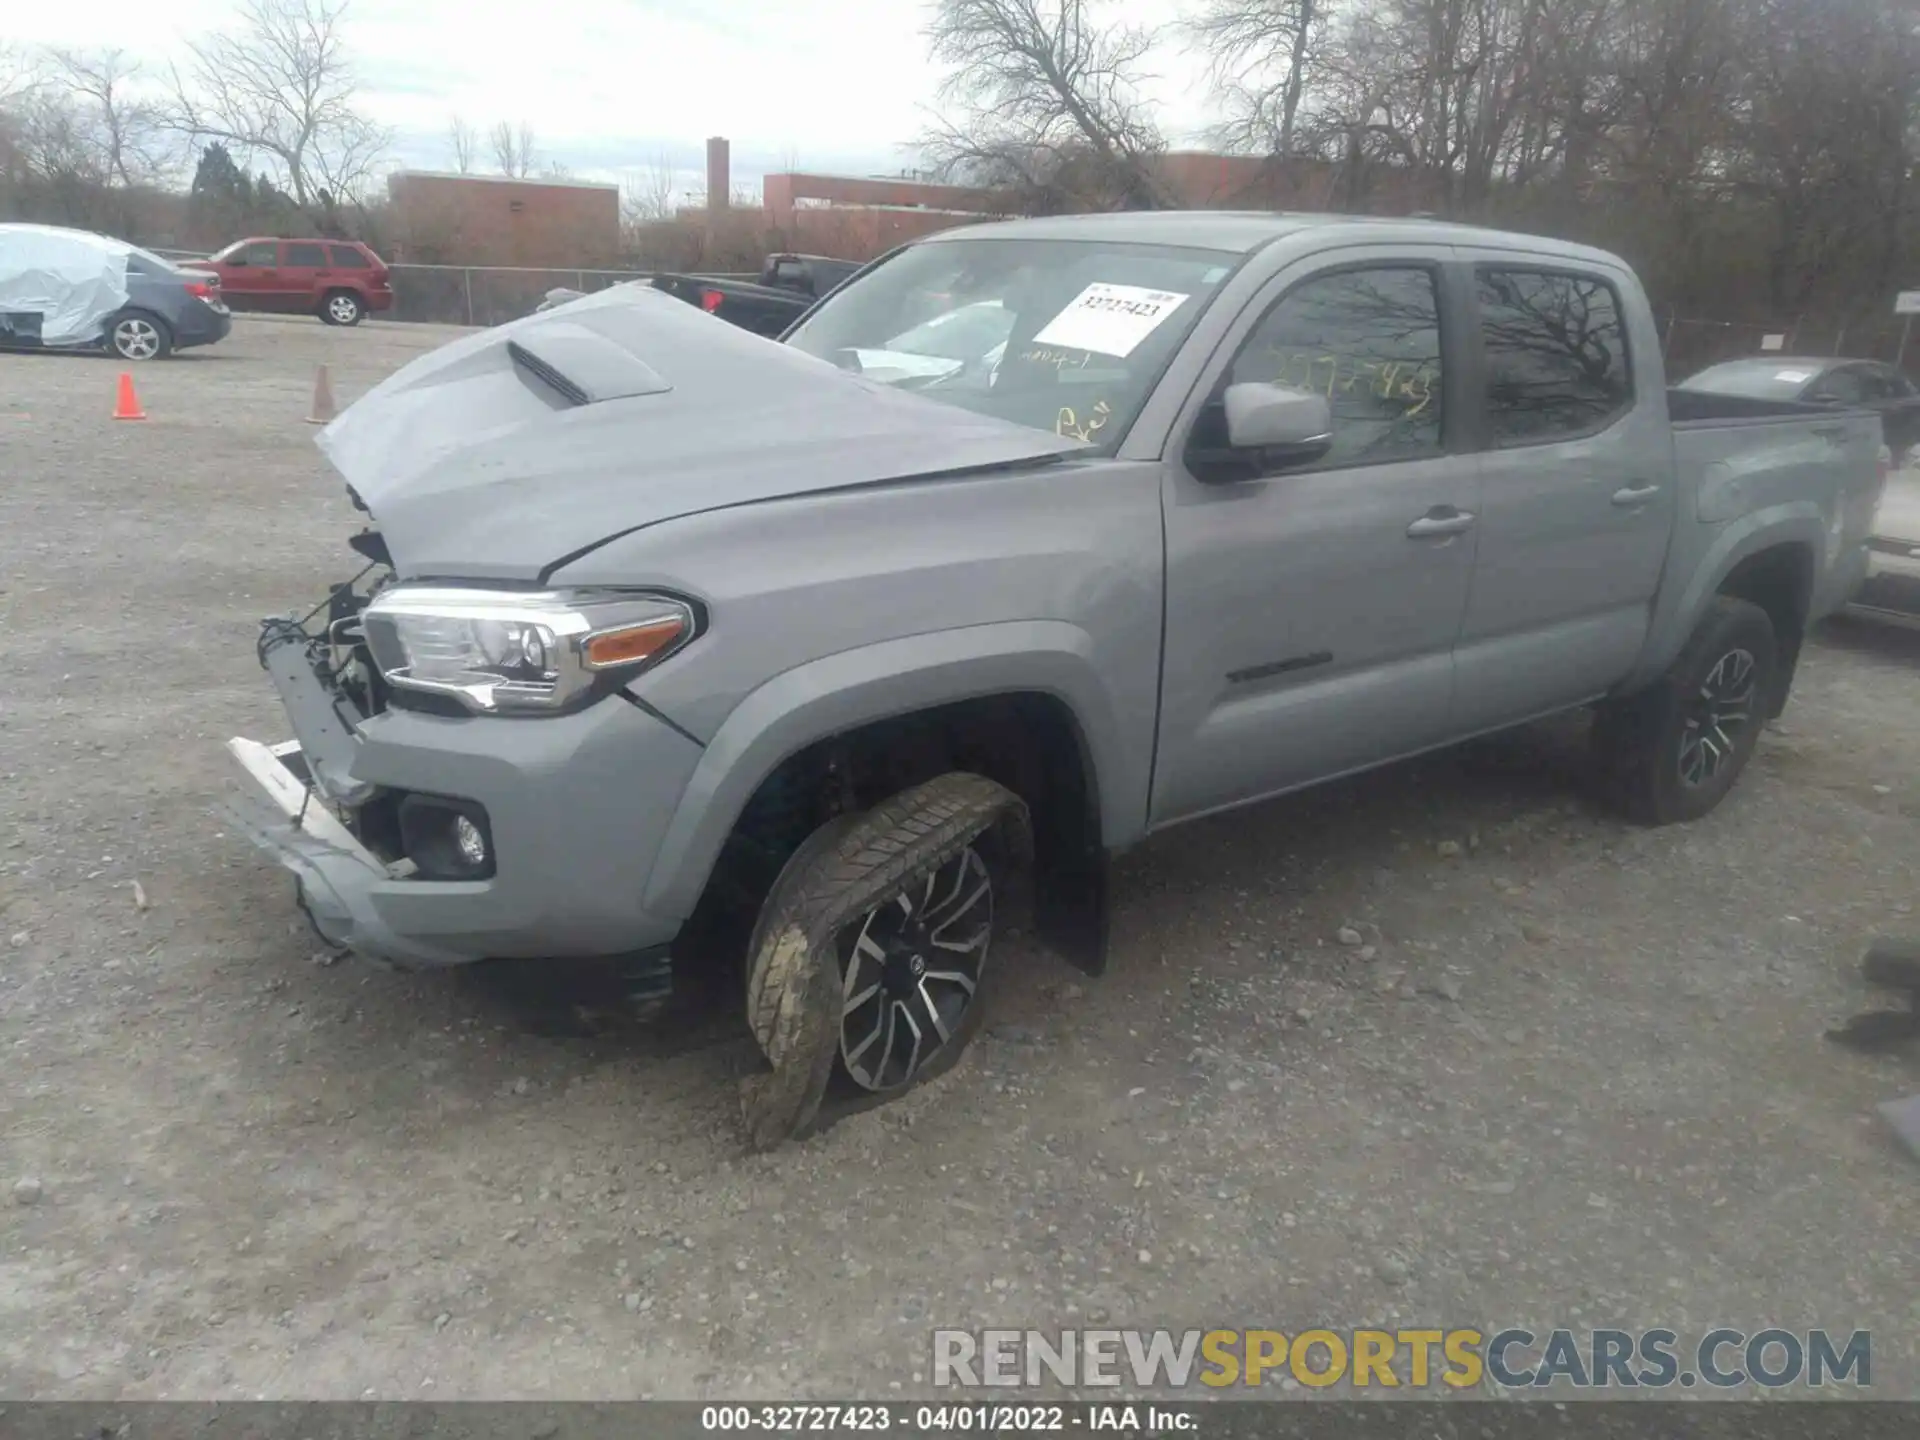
(139, 335)
(1672, 753)
(870, 965)
(342, 307)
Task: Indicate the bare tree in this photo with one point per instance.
(280, 87)
(512, 149)
(127, 128)
(18, 75)
(465, 141)
(1260, 55)
(647, 195)
(1044, 96)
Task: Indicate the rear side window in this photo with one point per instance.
(345, 257)
(1556, 350)
(1369, 340)
(307, 254)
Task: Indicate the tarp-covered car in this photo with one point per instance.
(74, 290)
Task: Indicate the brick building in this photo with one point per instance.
(493, 220)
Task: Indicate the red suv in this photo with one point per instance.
(338, 280)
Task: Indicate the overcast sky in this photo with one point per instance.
(611, 86)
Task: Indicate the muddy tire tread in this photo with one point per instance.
(844, 869)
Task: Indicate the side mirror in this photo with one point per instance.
(1275, 419)
(237, 260)
(1258, 428)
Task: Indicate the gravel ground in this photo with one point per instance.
(1573, 1076)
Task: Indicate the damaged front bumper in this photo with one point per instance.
(576, 805)
(334, 871)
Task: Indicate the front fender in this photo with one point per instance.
(840, 692)
(1678, 611)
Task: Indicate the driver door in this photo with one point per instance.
(1311, 612)
(249, 278)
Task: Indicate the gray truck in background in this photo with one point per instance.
(825, 661)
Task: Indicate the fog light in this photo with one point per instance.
(473, 845)
(446, 839)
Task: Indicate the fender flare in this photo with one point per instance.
(1799, 524)
(841, 692)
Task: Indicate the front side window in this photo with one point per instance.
(1840, 387)
(1369, 340)
(1067, 336)
(306, 254)
(1556, 349)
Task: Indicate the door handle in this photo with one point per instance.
(1442, 521)
(1635, 495)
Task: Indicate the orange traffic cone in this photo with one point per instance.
(127, 405)
(323, 409)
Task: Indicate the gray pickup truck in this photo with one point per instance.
(826, 657)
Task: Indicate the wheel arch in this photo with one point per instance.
(1036, 677)
(1779, 579)
(1771, 558)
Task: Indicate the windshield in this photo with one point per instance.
(970, 333)
(1066, 336)
(1765, 380)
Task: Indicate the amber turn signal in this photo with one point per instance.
(631, 643)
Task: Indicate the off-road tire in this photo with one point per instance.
(1637, 741)
(842, 871)
(342, 307)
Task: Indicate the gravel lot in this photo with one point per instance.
(1575, 1076)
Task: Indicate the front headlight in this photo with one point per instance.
(509, 651)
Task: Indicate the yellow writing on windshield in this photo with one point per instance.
(1059, 359)
(1071, 424)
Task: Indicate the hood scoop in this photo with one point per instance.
(582, 366)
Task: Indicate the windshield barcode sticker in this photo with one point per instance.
(1110, 319)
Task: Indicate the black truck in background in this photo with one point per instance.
(787, 286)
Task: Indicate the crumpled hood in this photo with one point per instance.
(622, 410)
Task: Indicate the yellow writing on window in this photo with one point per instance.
(1413, 382)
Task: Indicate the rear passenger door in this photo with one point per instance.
(1577, 495)
(304, 273)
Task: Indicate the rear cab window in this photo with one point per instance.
(1557, 362)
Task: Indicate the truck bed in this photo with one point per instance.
(1747, 455)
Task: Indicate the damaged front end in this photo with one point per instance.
(314, 817)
